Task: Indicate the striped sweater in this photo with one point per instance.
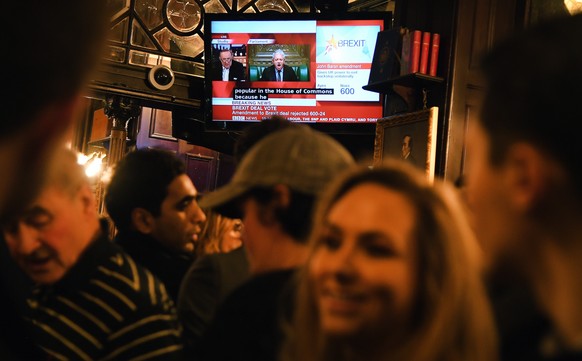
(106, 308)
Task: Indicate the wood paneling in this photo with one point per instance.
(480, 25)
(202, 164)
(202, 171)
(155, 130)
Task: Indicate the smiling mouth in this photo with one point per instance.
(343, 295)
(341, 302)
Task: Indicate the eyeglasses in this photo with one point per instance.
(226, 60)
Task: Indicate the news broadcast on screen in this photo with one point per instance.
(330, 60)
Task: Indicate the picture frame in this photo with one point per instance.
(413, 131)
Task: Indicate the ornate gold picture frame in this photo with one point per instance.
(410, 136)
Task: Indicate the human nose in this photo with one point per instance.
(197, 215)
(341, 264)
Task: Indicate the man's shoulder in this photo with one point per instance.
(227, 257)
(222, 267)
(116, 304)
(131, 280)
(260, 289)
(250, 314)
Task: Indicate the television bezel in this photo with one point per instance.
(339, 128)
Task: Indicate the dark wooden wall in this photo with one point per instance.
(480, 24)
(207, 168)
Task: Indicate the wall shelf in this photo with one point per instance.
(413, 80)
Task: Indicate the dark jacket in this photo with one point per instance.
(168, 265)
(249, 320)
(236, 72)
(288, 74)
(208, 282)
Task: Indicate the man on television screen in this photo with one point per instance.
(279, 71)
(227, 69)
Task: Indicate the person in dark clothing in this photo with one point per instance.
(524, 174)
(226, 68)
(521, 324)
(91, 300)
(208, 282)
(152, 202)
(212, 277)
(273, 191)
(167, 264)
(279, 71)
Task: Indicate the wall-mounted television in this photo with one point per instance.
(328, 58)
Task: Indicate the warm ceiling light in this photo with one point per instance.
(92, 163)
(573, 6)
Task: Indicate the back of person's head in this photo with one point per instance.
(533, 93)
(216, 230)
(257, 131)
(449, 316)
(57, 45)
(141, 180)
(299, 158)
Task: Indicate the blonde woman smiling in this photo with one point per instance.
(393, 274)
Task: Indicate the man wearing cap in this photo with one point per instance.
(213, 277)
(273, 191)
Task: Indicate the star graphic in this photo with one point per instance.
(331, 45)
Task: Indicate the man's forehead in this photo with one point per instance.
(181, 186)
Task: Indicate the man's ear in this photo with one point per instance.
(280, 200)
(529, 174)
(282, 197)
(142, 220)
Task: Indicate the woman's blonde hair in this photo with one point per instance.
(451, 317)
(213, 232)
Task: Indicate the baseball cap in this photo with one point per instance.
(301, 158)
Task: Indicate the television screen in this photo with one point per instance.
(305, 67)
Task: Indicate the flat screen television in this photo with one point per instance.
(328, 58)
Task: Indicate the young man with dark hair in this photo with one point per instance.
(153, 204)
(524, 174)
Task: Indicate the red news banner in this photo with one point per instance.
(340, 66)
